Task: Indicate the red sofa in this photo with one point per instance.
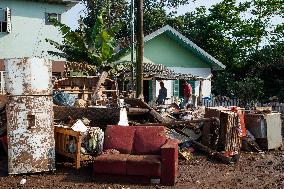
(144, 151)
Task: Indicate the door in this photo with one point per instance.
(191, 82)
(146, 90)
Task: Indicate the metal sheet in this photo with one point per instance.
(274, 137)
(31, 146)
(28, 76)
(266, 128)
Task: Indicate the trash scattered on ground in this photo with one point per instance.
(80, 103)
(93, 140)
(155, 181)
(111, 151)
(172, 134)
(219, 132)
(186, 153)
(23, 181)
(249, 144)
(79, 126)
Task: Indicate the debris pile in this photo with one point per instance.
(225, 131)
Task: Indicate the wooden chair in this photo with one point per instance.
(62, 144)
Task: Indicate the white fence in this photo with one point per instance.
(224, 101)
(276, 106)
(220, 101)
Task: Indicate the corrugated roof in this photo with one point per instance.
(158, 71)
(174, 34)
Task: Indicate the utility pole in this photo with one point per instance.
(132, 44)
(140, 49)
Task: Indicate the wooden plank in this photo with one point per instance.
(66, 131)
(134, 111)
(78, 152)
(179, 123)
(61, 135)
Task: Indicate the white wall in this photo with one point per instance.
(201, 72)
(168, 85)
(29, 30)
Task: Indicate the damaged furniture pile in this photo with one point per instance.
(83, 119)
(231, 130)
(220, 132)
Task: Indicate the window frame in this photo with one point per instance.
(47, 16)
(5, 24)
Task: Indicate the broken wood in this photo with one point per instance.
(187, 123)
(137, 111)
(209, 151)
(158, 116)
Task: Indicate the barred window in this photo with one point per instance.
(5, 20)
(49, 16)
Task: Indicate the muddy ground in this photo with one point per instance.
(254, 170)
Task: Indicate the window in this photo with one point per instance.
(49, 16)
(5, 20)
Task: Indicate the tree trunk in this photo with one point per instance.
(140, 50)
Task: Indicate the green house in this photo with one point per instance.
(169, 47)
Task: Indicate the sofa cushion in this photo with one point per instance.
(110, 164)
(144, 165)
(149, 140)
(119, 138)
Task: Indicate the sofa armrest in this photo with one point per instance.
(169, 154)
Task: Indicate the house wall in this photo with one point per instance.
(29, 31)
(206, 88)
(202, 72)
(164, 50)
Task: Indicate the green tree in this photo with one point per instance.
(95, 47)
(238, 43)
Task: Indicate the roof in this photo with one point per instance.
(174, 34)
(158, 71)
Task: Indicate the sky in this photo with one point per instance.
(74, 14)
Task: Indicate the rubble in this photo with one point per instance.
(249, 143)
(186, 150)
(80, 103)
(220, 132)
(23, 181)
(79, 126)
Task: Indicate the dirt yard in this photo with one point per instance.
(254, 170)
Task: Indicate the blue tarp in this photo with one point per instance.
(63, 99)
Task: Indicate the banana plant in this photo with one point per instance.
(91, 45)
